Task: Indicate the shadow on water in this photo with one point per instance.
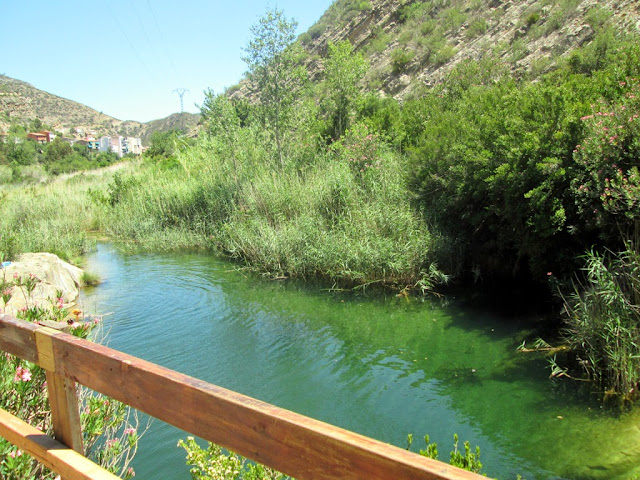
(379, 365)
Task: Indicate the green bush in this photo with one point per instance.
(603, 322)
(400, 59)
(494, 159)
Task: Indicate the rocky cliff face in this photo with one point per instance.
(411, 44)
(414, 43)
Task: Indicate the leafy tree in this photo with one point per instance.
(36, 125)
(82, 150)
(344, 69)
(22, 153)
(274, 68)
(223, 122)
(57, 150)
(163, 144)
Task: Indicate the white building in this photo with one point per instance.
(135, 145)
(121, 145)
(105, 144)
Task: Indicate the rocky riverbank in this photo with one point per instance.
(52, 279)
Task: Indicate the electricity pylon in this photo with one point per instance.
(181, 92)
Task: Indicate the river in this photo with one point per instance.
(383, 367)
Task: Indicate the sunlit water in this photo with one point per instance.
(383, 367)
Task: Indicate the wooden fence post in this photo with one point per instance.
(63, 398)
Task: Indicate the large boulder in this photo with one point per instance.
(53, 275)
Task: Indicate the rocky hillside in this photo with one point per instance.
(21, 103)
(412, 44)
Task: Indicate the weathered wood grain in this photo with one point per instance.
(53, 454)
(65, 414)
(289, 442)
(18, 338)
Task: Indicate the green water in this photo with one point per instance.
(383, 367)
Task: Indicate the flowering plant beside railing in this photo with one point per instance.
(109, 428)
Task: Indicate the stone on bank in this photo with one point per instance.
(54, 275)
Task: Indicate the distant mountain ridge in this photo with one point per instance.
(21, 102)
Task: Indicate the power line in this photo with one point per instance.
(181, 92)
(162, 39)
(131, 45)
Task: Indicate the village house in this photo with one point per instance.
(44, 136)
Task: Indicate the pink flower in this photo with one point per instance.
(549, 274)
(130, 431)
(131, 472)
(22, 374)
(15, 453)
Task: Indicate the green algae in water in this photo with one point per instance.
(381, 366)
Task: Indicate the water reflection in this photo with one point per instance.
(384, 367)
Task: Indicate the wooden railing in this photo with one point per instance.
(294, 444)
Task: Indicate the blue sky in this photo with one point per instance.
(125, 57)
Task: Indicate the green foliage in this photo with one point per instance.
(37, 218)
(603, 321)
(606, 185)
(476, 28)
(344, 69)
(165, 145)
(452, 19)
(119, 188)
(490, 152)
(22, 153)
(597, 17)
(400, 59)
(380, 43)
(213, 463)
(467, 461)
(532, 19)
(274, 67)
(57, 150)
(384, 116)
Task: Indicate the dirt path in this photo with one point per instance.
(98, 171)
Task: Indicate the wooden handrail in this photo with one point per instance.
(286, 441)
(55, 455)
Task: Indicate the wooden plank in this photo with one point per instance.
(18, 338)
(63, 398)
(53, 454)
(289, 442)
(65, 414)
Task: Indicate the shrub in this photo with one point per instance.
(476, 28)
(606, 185)
(400, 59)
(603, 321)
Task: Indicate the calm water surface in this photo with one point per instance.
(383, 367)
